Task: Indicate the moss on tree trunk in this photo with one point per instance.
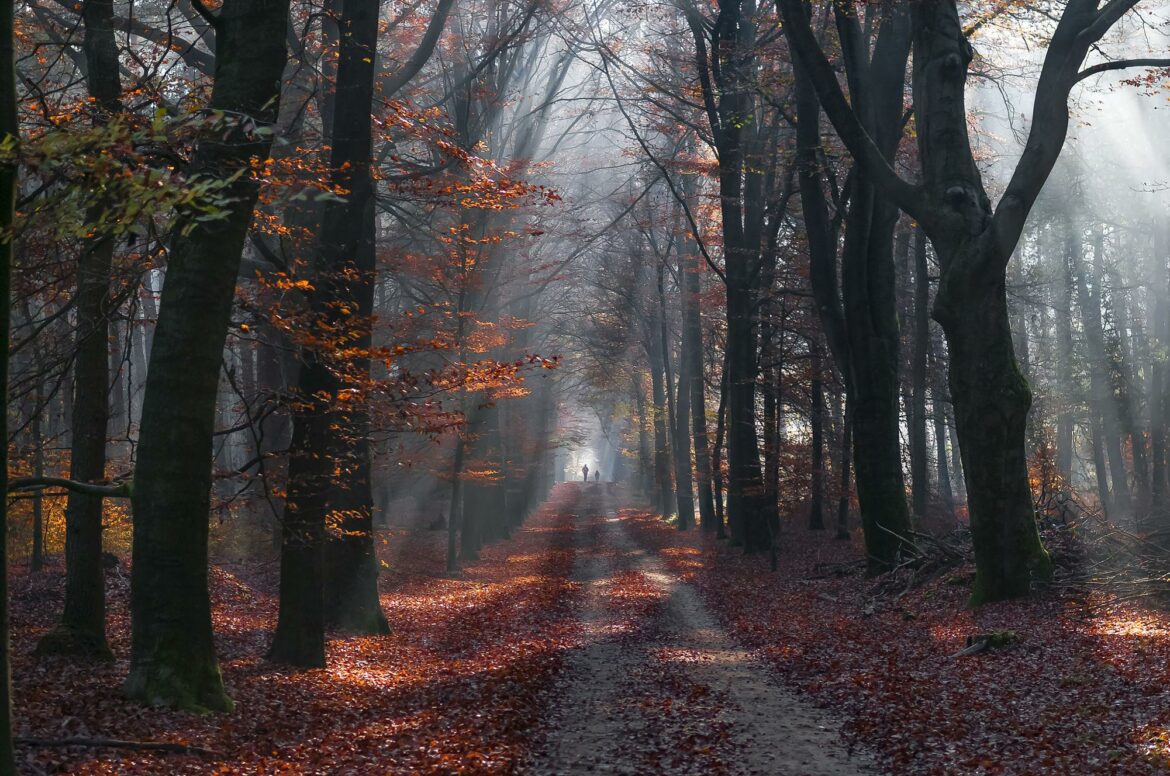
(991, 402)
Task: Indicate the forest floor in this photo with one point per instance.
(658, 687)
(598, 639)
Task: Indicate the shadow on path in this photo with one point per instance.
(658, 686)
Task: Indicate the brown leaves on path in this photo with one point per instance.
(1080, 693)
(455, 688)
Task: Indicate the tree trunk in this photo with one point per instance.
(1127, 388)
(299, 639)
(1114, 500)
(172, 658)
(37, 561)
(769, 389)
(991, 401)
(692, 374)
(682, 457)
(82, 630)
(9, 128)
(846, 459)
(938, 407)
(1064, 343)
(919, 480)
(645, 474)
(717, 453)
(1159, 291)
(816, 517)
(746, 514)
(347, 263)
(680, 410)
(871, 325)
(662, 464)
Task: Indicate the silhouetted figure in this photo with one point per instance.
(597, 475)
(585, 472)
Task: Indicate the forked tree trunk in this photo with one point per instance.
(860, 319)
(974, 243)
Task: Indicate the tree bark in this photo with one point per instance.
(343, 300)
(172, 658)
(860, 319)
(717, 453)
(846, 458)
(9, 128)
(82, 630)
(662, 458)
(920, 482)
(938, 407)
(1064, 343)
(679, 414)
(692, 377)
(816, 517)
(991, 401)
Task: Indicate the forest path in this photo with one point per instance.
(658, 686)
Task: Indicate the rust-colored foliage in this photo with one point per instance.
(1082, 691)
(457, 687)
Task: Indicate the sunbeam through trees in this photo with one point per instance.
(677, 387)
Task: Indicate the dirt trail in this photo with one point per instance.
(657, 686)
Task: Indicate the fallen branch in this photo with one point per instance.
(973, 647)
(837, 570)
(115, 743)
(984, 641)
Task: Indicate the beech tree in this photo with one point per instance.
(83, 622)
(173, 659)
(974, 242)
(10, 137)
(859, 313)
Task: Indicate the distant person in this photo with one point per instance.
(597, 475)
(585, 472)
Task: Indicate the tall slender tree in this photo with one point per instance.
(82, 629)
(10, 138)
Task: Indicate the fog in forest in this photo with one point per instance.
(517, 386)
